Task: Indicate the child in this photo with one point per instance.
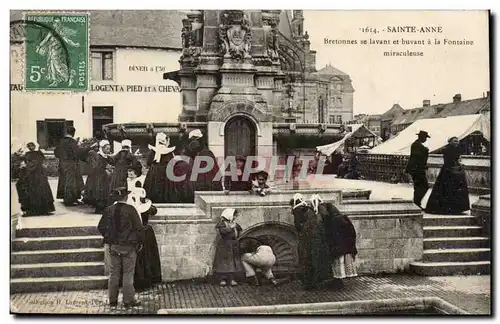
(260, 186)
(239, 184)
(137, 196)
(227, 261)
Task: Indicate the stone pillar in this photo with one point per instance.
(206, 86)
(215, 139)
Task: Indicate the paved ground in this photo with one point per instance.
(471, 293)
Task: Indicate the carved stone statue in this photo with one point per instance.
(186, 33)
(235, 35)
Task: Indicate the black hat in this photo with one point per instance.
(423, 133)
(120, 192)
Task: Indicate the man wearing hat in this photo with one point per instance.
(417, 166)
(122, 229)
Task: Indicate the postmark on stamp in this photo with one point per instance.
(56, 52)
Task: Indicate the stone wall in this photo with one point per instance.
(386, 242)
(389, 233)
(391, 168)
(482, 210)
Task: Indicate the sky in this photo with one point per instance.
(380, 82)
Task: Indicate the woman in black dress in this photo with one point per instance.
(97, 194)
(122, 161)
(35, 194)
(450, 194)
(158, 187)
(313, 250)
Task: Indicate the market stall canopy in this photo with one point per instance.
(439, 129)
(357, 131)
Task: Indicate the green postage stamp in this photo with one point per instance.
(57, 51)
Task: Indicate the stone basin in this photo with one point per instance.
(389, 232)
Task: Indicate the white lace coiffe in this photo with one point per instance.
(315, 201)
(298, 200)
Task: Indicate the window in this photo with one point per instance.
(321, 111)
(102, 66)
(50, 131)
(338, 119)
(332, 119)
(101, 116)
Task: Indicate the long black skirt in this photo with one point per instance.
(97, 190)
(155, 183)
(35, 194)
(450, 194)
(148, 266)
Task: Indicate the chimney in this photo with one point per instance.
(426, 103)
(457, 97)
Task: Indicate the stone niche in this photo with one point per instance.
(389, 233)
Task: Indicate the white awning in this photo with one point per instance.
(439, 129)
(330, 148)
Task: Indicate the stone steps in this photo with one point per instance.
(455, 242)
(445, 220)
(62, 269)
(57, 231)
(18, 285)
(57, 259)
(52, 243)
(451, 231)
(453, 245)
(451, 268)
(456, 255)
(59, 255)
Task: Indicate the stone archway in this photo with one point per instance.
(240, 137)
(282, 238)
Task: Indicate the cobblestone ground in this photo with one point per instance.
(471, 293)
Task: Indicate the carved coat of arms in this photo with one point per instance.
(235, 35)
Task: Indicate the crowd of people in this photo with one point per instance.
(117, 188)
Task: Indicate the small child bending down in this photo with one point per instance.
(227, 263)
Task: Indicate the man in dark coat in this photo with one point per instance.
(417, 166)
(70, 184)
(122, 229)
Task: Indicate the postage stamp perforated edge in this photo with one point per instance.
(24, 53)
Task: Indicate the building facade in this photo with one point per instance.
(127, 85)
(130, 52)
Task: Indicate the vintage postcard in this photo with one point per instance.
(275, 162)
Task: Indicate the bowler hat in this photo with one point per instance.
(423, 133)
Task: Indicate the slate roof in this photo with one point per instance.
(465, 107)
(134, 28)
